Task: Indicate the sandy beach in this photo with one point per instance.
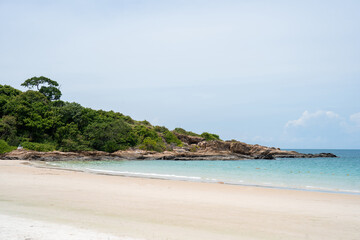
(117, 207)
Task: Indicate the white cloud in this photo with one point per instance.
(323, 129)
(355, 118)
(307, 116)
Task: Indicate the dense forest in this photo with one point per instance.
(38, 120)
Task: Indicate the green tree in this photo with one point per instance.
(8, 130)
(35, 117)
(110, 135)
(71, 112)
(52, 93)
(6, 94)
(69, 138)
(44, 85)
(8, 91)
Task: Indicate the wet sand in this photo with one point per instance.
(169, 209)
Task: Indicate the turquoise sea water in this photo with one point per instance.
(340, 174)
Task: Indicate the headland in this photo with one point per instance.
(196, 148)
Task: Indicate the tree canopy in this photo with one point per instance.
(44, 85)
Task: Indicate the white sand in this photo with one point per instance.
(164, 209)
(16, 228)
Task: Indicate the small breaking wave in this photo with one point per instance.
(213, 180)
(141, 174)
(224, 173)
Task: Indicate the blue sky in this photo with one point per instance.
(276, 73)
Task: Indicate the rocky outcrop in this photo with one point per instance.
(56, 155)
(121, 155)
(255, 151)
(216, 146)
(203, 150)
(239, 147)
(189, 139)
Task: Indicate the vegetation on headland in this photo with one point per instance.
(39, 120)
(4, 147)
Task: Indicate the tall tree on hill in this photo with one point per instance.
(44, 85)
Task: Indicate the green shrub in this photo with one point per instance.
(152, 145)
(210, 136)
(183, 131)
(145, 122)
(171, 138)
(194, 148)
(143, 132)
(128, 119)
(161, 129)
(69, 145)
(40, 147)
(4, 147)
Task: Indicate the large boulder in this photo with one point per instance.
(214, 145)
(189, 139)
(240, 147)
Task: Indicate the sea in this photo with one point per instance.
(334, 175)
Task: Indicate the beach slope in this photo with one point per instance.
(164, 209)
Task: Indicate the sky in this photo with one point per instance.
(275, 73)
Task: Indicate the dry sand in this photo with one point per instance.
(16, 228)
(164, 209)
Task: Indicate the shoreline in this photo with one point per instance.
(156, 209)
(180, 178)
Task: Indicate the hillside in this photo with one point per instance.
(39, 121)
